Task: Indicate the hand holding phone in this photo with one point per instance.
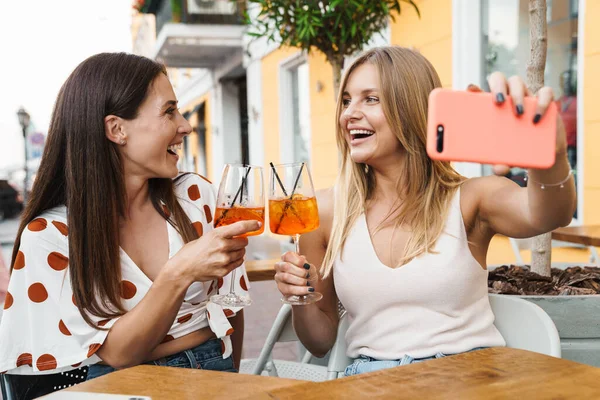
(473, 127)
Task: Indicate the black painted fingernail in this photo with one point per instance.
(537, 118)
(520, 109)
(307, 275)
(311, 289)
(307, 266)
(308, 283)
(500, 98)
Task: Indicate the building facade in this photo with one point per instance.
(252, 102)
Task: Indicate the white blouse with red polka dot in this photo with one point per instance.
(42, 331)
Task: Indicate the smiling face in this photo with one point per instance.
(155, 134)
(363, 122)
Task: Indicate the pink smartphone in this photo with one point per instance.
(468, 126)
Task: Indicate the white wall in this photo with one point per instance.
(466, 58)
(255, 122)
(224, 110)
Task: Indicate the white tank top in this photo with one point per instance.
(438, 302)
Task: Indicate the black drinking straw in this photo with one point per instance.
(297, 178)
(279, 179)
(239, 192)
(288, 204)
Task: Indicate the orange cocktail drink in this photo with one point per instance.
(293, 216)
(229, 215)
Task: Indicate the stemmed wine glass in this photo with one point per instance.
(293, 211)
(240, 198)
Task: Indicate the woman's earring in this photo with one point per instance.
(122, 142)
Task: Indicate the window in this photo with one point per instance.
(295, 111)
(301, 110)
(505, 26)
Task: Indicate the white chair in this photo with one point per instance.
(525, 325)
(283, 331)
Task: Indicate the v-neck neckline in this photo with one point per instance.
(372, 246)
(123, 253)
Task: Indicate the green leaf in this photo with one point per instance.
(333, 27)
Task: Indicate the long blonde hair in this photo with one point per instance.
(405, 80)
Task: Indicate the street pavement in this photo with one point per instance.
(8, 231)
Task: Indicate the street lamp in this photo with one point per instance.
(24, 121)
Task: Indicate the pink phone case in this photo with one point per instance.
(468, 126)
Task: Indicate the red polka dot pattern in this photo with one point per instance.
(57, 261)
(128, 290)
(8, 301)
(208, 314)
(93, 349)
(73, 300)
(38, 224)
(62, 228)
(199, 228)
(167, 339)
(40, 291)
(208, 214)
(213, 286)
(19, 261)
(25, 359)
(222, 347)
(194, 192)
(185, 318)
(46, 362)
(63, 328)
(243, 283)
(37, 293)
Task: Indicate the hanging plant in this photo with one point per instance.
(139, 5)
(176, 10)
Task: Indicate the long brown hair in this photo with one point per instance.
(82, 169)
(405, 80)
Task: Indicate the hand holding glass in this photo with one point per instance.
(293, 211)
(241, 198)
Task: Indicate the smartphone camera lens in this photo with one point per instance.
(440, 138)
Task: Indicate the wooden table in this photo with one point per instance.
(181, 383)
(497, 373)
(260, 270)
(587, 235)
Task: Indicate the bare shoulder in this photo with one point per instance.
(325, 199)
(325, 203)
(474, 190)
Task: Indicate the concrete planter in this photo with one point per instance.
(577, 319)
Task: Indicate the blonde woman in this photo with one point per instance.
(403, 238)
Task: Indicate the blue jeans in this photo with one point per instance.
(208, 355)
(364, 364)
